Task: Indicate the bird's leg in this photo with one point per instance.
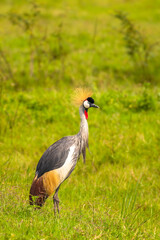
(56, 201)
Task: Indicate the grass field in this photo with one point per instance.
(46, 51)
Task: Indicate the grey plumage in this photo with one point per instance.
(55, 156)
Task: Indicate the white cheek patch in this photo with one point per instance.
(86, 104)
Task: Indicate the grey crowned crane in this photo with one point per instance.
(59, 160)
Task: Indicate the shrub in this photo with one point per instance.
(140, 50)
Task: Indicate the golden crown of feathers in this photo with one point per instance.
(80, 94)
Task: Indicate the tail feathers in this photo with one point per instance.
(37, 194)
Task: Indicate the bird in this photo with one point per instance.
(60, 159)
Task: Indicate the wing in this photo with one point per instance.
(54, 157)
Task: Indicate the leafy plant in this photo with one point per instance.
(5, 67)
(138, 48)
(27, 21)
(142, 102)
(47, 51)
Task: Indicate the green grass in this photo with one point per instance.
(115, 195)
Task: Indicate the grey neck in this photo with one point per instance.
(84, 125)
(83, 133)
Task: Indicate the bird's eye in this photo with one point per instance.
(86, 104)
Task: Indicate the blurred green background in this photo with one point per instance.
(47, 49)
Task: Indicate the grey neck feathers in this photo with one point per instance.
(83, 133)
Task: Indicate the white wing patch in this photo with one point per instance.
(64, 170)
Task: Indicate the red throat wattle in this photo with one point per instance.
(86, 114)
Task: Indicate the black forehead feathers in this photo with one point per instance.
(91, 100)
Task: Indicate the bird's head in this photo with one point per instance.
(89, 102)
(82, 97)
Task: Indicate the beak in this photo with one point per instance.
(93, 105)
